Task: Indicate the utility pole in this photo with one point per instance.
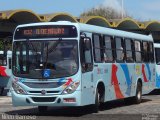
(122, 8)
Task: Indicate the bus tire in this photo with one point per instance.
(42, 109)
(97, 102)
(138, 97)
(2, 90)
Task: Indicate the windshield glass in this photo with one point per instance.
(157, 50)
(45, 59)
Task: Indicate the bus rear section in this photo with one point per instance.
(5, 65)
(157, 55)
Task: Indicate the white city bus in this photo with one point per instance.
(5, 65)
(74, 64)
(157, 55)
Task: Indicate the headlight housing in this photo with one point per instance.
(18, 89)
(71, 88)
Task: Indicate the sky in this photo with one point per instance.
(138, 9)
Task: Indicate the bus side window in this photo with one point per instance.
(108, 50)
(97, 48)
(120, 55)
(145, 52)
(157, 55)
(138, 55)
(86, 55)
(129, 53)
(151, 53)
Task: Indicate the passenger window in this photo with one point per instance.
(119, 50)
(145, 52)
(138, 55)
(86, 56)
(157, 54)
(129, 53)
(108, 52)
(97, 48)
(151, 52)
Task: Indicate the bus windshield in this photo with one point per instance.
(32, 58)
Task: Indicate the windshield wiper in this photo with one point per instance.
(53, 48)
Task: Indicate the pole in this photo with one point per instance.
(122, 5)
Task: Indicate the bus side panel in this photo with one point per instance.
(102, 73)
(128, 70)
(157, 76)
(148, 77)
(88, 90)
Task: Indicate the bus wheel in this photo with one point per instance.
(97, 102)
(42, 109)
(2, 90)
(138, 98)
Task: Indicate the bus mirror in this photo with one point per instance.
(87, 43)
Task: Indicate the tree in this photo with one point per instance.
(106, 12)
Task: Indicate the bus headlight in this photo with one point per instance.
(71, 88)
(17, 88)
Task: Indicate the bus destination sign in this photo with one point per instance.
(35, 32)
(44, 31)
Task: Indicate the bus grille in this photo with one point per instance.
(44, 85)
(43, 99)
(39, 92)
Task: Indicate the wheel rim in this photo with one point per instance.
(98, 99)
(139, 95)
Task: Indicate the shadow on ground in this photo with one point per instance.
(72, 111)
(155, 92)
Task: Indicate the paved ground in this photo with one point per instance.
(149, 109)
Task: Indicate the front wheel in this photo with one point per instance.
(97, 102)
(138, 98)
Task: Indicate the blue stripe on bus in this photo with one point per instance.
(60, 81)
(128, 79)
(149, 71)
(157, 80)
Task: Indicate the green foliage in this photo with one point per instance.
(106, 12)
(1, 44)
(8, 45)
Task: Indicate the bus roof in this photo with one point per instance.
(157, 45)
(96, 29)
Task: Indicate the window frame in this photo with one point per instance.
(122, 45)
(100, 48)
(140, 41)
(151, 54)
(131, 50)
(82, 56)
(112, 49)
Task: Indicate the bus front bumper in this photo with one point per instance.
(46, 100)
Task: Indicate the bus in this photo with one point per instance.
(5, 65)
(74, 64)
(157, 54)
